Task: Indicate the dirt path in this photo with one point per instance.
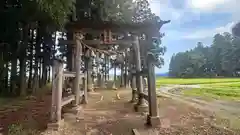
(33, 114)
(223, 109)
(232, 107)
(106, 115)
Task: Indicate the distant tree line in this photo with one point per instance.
(220, 59)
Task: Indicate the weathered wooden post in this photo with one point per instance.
(78, 38)
(57, 82)
(102, 81)
(98, 69)
(85, 95)
(145, 85)
(89, 71)
(125, 70)
(132, 77)
(134, 89)
(115, 77)
(105, 68)
(122, 74)
(145, 68)
(59, 91)
(153, 117)
(108, 64)
(141, 105)
(54, 89)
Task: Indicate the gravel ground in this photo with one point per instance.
(106, 114)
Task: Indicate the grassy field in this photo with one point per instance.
(164, 81)
(216, 88)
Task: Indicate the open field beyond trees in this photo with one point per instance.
(165, 80)
(220, 96)
(217, 88)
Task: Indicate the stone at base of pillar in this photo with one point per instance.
(134, 97)
(153, 121)
(105, 85)
(84, 100)
(141, 107)
(114, 88)
(133, 101)
(55, 125)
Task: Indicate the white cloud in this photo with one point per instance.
(210, 6)
(165, 9)
(201, 34)
(207, 5)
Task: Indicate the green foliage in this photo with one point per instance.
(236, 30)
(57, 10)
(220, 59)
(142, 11)
(104, 10)
(118, 10)
(53, 12)
(152, 45)
(18, 129)
(157, 51)
(28, 33)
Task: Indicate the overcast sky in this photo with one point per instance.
(193, 21)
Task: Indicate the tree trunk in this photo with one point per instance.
(31, 60)
(105, 68)
(44, 70)
(13, 74)
(108, 63)
(22, 76)
(125, 75)
(6, 80)
(23, 60)
(36, 66)
(40, 68)
(126, 70)
(49, 74)
(2, 73)
(115, 73)
(115, 77)
(122, 75)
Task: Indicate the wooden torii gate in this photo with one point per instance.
(107, 30)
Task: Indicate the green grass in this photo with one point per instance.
(226, 91)
(215, 93)
(211, 88)
(164, 81)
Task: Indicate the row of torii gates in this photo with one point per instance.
(96, 36)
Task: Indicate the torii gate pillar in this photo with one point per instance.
(141, 106)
